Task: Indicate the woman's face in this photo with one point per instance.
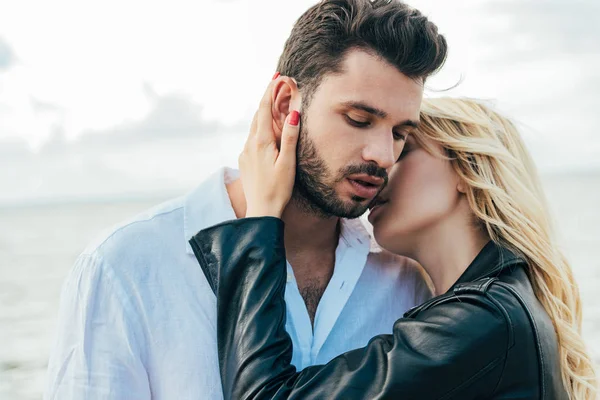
(421, 198)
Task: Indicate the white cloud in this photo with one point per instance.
(139, 78)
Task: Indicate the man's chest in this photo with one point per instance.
(312, 274)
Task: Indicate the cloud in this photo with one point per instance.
(173, 115)
(7, 56)
(14, 148)
(42, 107)
(170, 149)
(541, 29)
(541, 58)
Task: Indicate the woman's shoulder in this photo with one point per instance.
(494, 308)
(513, 293)
(468, 331)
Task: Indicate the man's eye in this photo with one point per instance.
(358, 124)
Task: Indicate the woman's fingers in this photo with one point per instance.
(253, 125)
(264, 128)
(265, 105)
(289, 140)
(267, 172)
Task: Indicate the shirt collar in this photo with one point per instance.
(354, 233)
(209, 204)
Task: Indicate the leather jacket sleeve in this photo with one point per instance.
(455, 349)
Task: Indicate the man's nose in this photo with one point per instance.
(380, 149)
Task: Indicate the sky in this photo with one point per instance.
(127, 98)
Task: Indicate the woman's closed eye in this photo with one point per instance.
(407, 149)
(400, 136)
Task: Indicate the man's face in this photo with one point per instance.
(351, 133)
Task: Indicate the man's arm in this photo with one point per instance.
(98, 353)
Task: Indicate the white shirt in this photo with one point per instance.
(137, 317)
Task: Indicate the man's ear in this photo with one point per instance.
(287, 98)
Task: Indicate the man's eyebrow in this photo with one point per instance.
(377, 112)
(366, 108)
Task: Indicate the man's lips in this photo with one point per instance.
(366, 186)
(368, 179)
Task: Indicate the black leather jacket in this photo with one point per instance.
(487, 338)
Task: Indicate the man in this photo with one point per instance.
(137, 317)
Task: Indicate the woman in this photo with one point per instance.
(464, 201)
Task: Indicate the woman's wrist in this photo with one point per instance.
(263, 212)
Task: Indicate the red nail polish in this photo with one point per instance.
(294, 118)
(275, 76)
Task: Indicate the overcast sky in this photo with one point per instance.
(120, 97)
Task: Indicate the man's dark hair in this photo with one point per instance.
(389, 29)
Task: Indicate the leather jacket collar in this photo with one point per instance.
(491, 261)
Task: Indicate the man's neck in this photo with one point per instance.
(310, 244)
(308, 232)
(305, 232)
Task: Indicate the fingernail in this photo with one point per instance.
(275, 76)
(294, 118)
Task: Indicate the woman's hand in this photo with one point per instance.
(268, 172)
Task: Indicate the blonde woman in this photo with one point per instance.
(464, 201)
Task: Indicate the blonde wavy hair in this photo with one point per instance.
(505, 194)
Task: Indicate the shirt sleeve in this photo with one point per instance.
(98, 350)
(423, 287)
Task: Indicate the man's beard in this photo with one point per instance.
(314, 189)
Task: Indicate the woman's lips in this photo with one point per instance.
(375, 207)
(364, 189)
